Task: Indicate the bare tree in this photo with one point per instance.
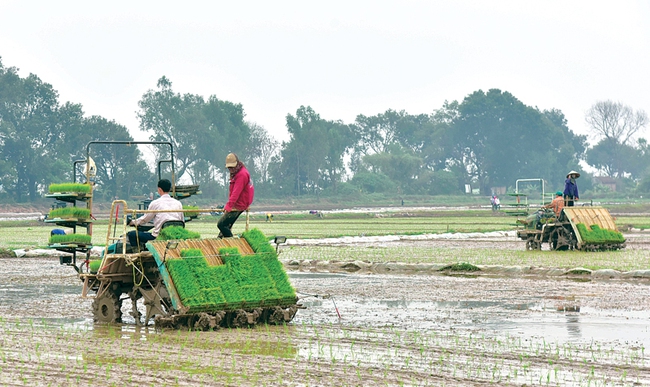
(615, 121)
(264, 147)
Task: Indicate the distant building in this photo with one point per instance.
(607, 181)
(498, 190)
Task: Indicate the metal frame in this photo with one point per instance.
(528, 180)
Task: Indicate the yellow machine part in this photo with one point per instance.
(209, 247)
(589, 216)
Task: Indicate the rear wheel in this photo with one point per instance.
(560, 239)
(107, 308)
(532, 244)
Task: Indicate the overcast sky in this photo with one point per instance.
(342, 58)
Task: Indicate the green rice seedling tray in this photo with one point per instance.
(596, 235)
(69, 188)
(241, 281)
(81, 239)
(69, 213)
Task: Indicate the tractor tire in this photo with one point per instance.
(107, 308)
(560, 239)
(532, 244)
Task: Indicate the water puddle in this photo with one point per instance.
(501, 312)
(558, 310)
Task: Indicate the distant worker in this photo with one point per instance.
(557, 204)
(496, 203)
(164, 202)
(571, 188)
(269, 217)
(240, 198)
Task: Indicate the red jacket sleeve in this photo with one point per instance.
(236, 187)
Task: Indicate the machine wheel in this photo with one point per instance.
(529, 243)
(532, 244)
(560, 239)
(107, 308)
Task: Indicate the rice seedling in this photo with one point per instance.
(69, 212)
(69, 188)
(70, 238)
(177, 233)
(241, 282)
(595, 234)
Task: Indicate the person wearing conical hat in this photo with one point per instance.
(571, 188)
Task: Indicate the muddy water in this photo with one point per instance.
(392, 330)
(556, 309)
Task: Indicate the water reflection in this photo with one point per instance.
(573, 325)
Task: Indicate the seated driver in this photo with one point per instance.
(557, 204)
(164, 202)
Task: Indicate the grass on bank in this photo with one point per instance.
(33, 234)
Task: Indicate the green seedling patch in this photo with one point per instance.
(177, 233)
(461, 266)
(596, 235)
(7, 253)
(69, 187)
(243, 281)
(94, 265)
(191, 214)
(69, 212)
(71, 238)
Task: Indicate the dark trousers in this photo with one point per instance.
(143, 236)
(568, 200)
(225, 223)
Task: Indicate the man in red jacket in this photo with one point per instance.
(241, 195)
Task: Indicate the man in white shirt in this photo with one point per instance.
(164, 202)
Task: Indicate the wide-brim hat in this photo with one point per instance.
(559, 193)
(572, 173)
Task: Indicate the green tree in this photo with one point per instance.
(263, 149)
(28, 134)
(304, 154)
(202, 133)
(616, 125)
(401, 165)
(377, 133)
(175, 118)
(497, 139)
(121, 170)
(312, 160)
(225, 132)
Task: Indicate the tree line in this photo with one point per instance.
(487, 140)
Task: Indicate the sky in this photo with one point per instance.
(342, 58)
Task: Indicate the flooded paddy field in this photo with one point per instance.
(356, 329)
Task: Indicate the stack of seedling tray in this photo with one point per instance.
(245, 277)
(185, 191)
(70, 217)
